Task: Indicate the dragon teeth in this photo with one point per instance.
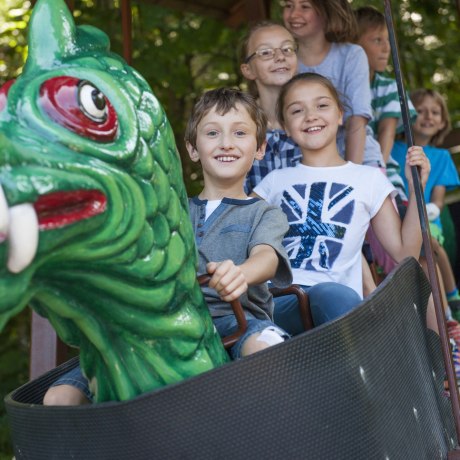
(4, 218)
(22, 237)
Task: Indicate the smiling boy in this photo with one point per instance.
(239, 239)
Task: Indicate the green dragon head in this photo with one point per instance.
(94, 226)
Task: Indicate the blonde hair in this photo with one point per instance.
(418, 96)
(244, 47)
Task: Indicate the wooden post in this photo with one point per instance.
(126, 26)
(248, 11)
(46, 350)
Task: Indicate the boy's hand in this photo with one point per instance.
(416, 157)
(227, 279)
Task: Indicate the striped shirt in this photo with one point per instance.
(385, 104)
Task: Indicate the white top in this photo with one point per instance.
(328, 210)
(211, 206)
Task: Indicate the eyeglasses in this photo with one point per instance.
(265, 54)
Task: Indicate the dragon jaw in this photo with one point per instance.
(20, 224)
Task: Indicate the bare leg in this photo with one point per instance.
(368, 280)
(260, 340)
(64, 395)
(445, 267)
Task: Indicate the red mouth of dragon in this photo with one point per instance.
(58, 209)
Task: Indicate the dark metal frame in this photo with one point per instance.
(424, 223)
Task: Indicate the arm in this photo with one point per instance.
(386, 135)
(355, 138)
(358, 95)
(230, 280)
(437, 196)
(404, 240)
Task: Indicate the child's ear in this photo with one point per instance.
(192, 152)
(341, 119)
(260, 153)
(247, 72)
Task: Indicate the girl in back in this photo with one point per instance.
(325, 30)
(330, 202)
(268, 60)
(430, 128)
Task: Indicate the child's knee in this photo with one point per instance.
(64, 395)
(266, 338)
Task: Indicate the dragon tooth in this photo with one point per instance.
(4, 218)
(22, 237)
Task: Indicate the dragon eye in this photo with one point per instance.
(92, 102)
(80, 107)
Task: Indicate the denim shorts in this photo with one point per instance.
(76, 379)
(227, 325)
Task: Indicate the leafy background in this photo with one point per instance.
(181, 54)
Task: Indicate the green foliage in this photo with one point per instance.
(14, 363)
(14, 16)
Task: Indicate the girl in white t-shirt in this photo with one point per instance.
(325, 31)
(330, 202)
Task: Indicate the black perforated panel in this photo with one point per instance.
(367, 386)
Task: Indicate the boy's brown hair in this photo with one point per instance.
(339, 20)
(367, 18)
(224, 100)
(417, 96)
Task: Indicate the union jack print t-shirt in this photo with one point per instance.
(328, 210)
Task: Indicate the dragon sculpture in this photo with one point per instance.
(94, 226)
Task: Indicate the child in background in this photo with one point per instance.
(325, 30)
(268, 60)
(239, 239)
(373, 37)
(429, 130)
(387, 121)
(330, 203)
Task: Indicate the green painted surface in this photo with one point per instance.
(121, 285)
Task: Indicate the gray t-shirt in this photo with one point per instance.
(347, 67)
(230, 232)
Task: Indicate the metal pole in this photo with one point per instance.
(432, 272)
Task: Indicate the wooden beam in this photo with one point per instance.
(126, 26)
(202, 8)
(248, 11)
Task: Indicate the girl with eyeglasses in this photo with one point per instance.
(268, 60)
